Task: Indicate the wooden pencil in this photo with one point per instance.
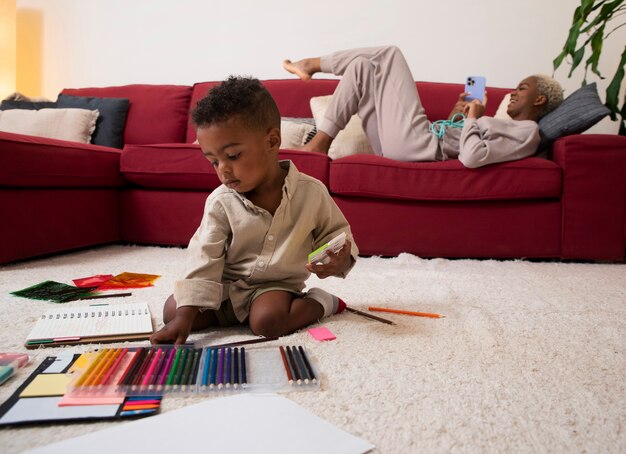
(373, 317)
(287, 370)
(403, 312)
(303, 372)
(292, 361)
(307, 364)
(244, 342)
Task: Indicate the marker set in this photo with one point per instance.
(169, 369)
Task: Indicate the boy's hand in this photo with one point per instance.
(339, 263)
(176, 330)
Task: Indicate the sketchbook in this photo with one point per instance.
(262, 423)
(89, 324)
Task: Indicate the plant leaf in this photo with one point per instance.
(612, 91)
(596, 49)
(578, 56)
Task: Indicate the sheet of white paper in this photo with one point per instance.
(259, 423)
(61, 362)
(37, 408)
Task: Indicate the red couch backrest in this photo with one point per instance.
(439, 98)
(157, 113)
(292, 97)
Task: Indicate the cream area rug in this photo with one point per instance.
(530, 357)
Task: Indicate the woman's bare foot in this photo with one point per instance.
(304, 68)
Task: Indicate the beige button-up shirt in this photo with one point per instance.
(240, 248)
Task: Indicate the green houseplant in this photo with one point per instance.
(593, 23)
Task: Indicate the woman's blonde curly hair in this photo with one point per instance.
(551, 89)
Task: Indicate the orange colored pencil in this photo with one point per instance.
(398, 311)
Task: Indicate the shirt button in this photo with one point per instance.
(270, 237)
(261, 264)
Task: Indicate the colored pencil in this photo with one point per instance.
(244, 378)
(168, 364)
(403, 312)
(187, 371)
(294, 366)
(101, 368)
(207, 364)
(287, 370)
(170, 376)
(87, 375)
(132, 366)
(373, 317)
(220, 368)
(245, 342)
(140, 372)
(181, 366)
(113, 369)
(214, 361)
(303, 372)
(196, 366)
(307, 364)
(236, 366)
(93, 297)
(228, 365)
(149, 375)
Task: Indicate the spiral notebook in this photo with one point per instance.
(94, 323)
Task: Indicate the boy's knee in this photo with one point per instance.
(268, 324)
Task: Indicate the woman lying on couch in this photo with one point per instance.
(377, 84)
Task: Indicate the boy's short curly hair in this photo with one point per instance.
(243, 97)
(551, 89)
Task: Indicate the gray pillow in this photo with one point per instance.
(29, 105)
(111, 122)
(577, 113)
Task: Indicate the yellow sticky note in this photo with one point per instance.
(47, 385)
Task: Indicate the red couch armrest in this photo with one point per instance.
(594, 196)
(39, 162)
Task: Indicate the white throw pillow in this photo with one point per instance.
(501, 112)
(351, 140)
(75, 125)
(293, 133)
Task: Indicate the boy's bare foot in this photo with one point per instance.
(304, 68)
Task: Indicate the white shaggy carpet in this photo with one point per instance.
(531, 356)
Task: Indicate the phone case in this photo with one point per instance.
(475, 86)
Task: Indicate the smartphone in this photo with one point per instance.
(475, 86)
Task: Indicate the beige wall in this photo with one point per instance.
(78, 43)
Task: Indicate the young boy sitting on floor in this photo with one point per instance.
(247, 262)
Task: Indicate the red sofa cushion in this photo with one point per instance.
(37, 162)
(375, 176)
(157, 113)
(182, 166)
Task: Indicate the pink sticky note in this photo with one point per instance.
(322, 334)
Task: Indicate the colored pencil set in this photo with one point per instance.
(297, 365)
(144, 371)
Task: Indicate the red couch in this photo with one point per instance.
(57, 195)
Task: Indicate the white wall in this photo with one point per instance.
(82, 43)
